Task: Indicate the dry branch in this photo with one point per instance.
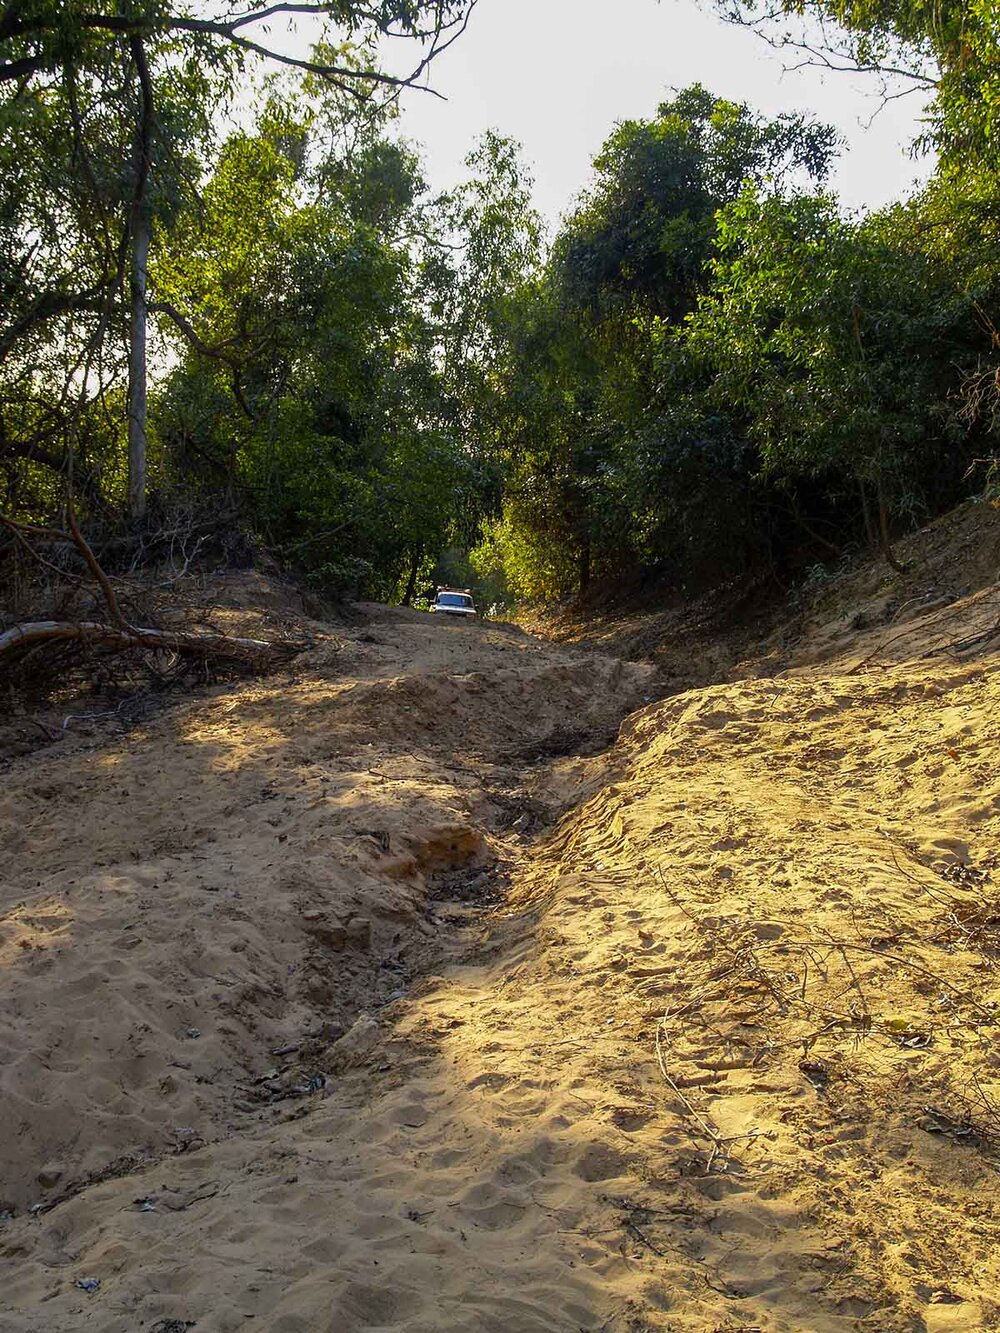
(256, 653)
(119, 635)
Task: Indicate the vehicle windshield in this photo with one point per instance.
(453, 599)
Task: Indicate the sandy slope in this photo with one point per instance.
(846, 610)
(197, 916)
(697, 1035)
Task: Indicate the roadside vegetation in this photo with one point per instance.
(235, 318)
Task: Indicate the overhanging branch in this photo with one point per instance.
(822, 54)
(449, 21)
(216, 353)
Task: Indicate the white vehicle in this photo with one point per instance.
(451, 602)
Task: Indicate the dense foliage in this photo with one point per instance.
(327, 394)
(719, 370)
(319, 330)
(711, 369)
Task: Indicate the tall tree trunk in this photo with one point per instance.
(870, 532)
(138, 280)
(885, 540)
(137, 419)
(411, 586)
(583, 565)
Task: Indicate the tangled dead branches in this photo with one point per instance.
(759, 996)
(54, 644)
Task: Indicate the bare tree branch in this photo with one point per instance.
(205, 349)
(439, 35)
(257, 654)
(827, 55)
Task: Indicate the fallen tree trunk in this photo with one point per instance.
(117, 634)
(255, 653)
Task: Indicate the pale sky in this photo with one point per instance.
(557, 75)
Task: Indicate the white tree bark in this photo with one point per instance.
(138, 319)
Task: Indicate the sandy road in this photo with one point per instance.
(213, 931)
(380, 1005)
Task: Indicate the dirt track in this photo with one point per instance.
(370, 999)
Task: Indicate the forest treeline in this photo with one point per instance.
(229, 299)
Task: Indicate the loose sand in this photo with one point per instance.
(374, 997)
